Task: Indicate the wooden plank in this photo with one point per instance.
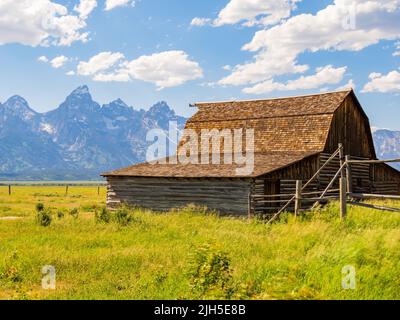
(342, 160)
(249, 211)
(371, 206)
(349, 175)
(375, 161)
(321, 199)
(297, 205)
(318, 192)
(330, 184)
(373, 196)
(343, 198)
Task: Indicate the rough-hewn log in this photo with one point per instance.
(371, 206)
(160, 194)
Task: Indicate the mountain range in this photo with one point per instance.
(81, 139)
(78, 140)
(387, 144)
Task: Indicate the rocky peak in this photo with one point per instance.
(80, 99)
(18, 107)
(81, 91)
(161, 108)
(116, 105)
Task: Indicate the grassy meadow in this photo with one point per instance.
(190, 254)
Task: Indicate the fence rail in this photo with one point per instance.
(345, 192)
(66, 185)
(373, 196)
(52, 183)
(296, 199)
(349, 196)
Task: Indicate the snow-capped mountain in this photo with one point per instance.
(78, 140)
(387, 144)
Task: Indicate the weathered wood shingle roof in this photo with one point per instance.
(287, 130)
(324, 103)
(263, 163)
(286, 124)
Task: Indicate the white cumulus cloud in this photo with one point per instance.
(383, 83)
(85, 8)
(199, 22)
(324, 76)
(350, 25)
(111, 4)
(349, 85)
(253, 12)
(166, 69)
(100, 63)
(58, 62)
(43, 59)
(39, 23)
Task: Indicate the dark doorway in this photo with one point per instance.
(272, 187)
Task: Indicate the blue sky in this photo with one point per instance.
(189, 51)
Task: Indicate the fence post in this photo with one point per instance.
(249, 213)
(98, 190)
(349, 175)
(297, 206)
(9, 189)
(66, 190)
(343, 199)
(341, 158)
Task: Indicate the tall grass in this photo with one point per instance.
(189, 254)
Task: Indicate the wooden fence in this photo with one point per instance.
(303, 200)
(348, 196)
(67, 186)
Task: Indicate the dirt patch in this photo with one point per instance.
(10, 218)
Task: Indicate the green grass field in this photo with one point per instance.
(191, 254)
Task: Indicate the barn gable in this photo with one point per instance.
(350, 126)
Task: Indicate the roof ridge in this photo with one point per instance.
(267, 117)
(277, 98)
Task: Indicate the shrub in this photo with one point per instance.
(60, 214)
(123, 216)
(39, 207)
(89, 208)
(74, 213)
(194, 209)
(102, 215)
(44, 217)
(210, 272)
(11, 269)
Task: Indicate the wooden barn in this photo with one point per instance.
(293, 137)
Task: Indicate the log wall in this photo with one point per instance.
(361, 174)
(386, 180)
(283, 182)
(228, 196)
